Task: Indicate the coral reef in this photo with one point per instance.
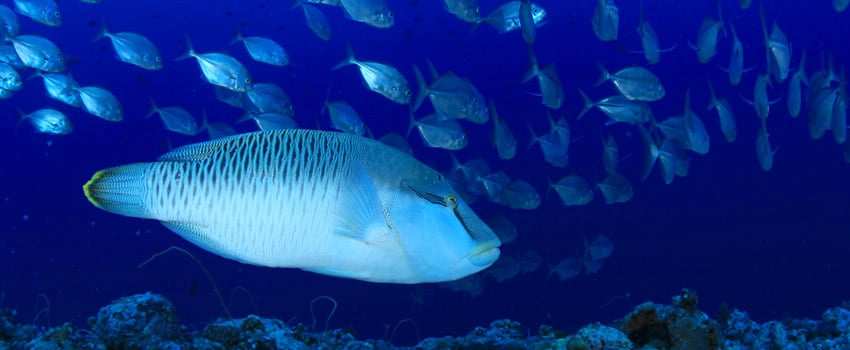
(149, 321)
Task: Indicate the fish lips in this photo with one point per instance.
(485, 254)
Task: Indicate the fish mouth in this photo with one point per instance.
(485, 254)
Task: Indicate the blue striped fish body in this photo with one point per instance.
(327, 202)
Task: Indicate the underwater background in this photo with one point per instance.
(774, 243)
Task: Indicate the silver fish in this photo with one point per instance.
(820, 111)
(39, 53)
(101, 103)
(555, 145)
(567, 268)
(344, 117)
(503, 138)
(9, 78)
(134, 49)
(736, 59)
(381, 78)
(263, 49)
(839, 117)
(606, 20)
(526, 22)
(48, 121)
(778, 49)
(707, 37)
(316, 21)
(219, 130)
(619, 109)
(10, 21)
(273, 121)
(42, 11)
(9, 56)
(724, 114)
(547, 78)
(519, 195)
(795, 93)
(616, 188)
(220, 69)
(599, 248)
(573, 190)
(505, 18)
(176, 119)
(440, 133)
(610, 154)
(761, 103)
(267, 98)
(453, 97)
(764, 151)
(359, 209)
(375, 13)
(634, 82)
(697, 134)
(61, 87)
(466, 10)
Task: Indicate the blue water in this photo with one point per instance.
(772, 243)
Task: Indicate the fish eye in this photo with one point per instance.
(394, 88)
(407, 93)
(451, 201)
(248, 80)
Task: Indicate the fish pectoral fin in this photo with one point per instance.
(360, 215)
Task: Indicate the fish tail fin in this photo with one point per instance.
(349, 58)
(36, 74)
(119, 190)
(588, 104)
(720, 17)
(603, 74)
(238, 37)
(153, 108)
(431, 69)
(533, 67)
(534, 137)
(21, 117)
(411, 124)
(327, 98)
(104, 32)
(190, 51)
(712, 102)
(423, 88)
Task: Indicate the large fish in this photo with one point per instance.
(331, 203)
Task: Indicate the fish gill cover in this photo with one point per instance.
(578, 131)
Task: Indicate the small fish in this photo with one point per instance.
(220, 69)
(839, 117)
(547, 78)
(707, 37)
(764, 151)
(821, 111)
(599, 248)
(503, 228)
(503, 138)
(453, 97)
(566, 269)
(219, 130)
(519, 195)
(505, 18)
(396, 141)
(530, 261)
(610, 154)
(736, 59)
(367, 204)
(573, 190)
(440, 133)
(267, 98)
(492, 185)
(526, 22)
(635, 83)
(760, 102)
(795, 93)
(42, 11)
(504, 269)
(176, 119)
(230, 97)
(778, 49)
(61, 87)
(263, 49)
(616, 188)
(724, 114)
(48, 121)
(465, 10)
(10, 21)
(316, 20)
(133, 48)
(840, 5)
(101, 103)
(375, 13)
(271, 121)
(9, 78)
(619, 109)
(606, 20)
(39, 53)
(344, 118)
(381, 78)
(554, 145)
(697, 134)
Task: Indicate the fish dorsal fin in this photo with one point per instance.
(195, 152)
(359, 216)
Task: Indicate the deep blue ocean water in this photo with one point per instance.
(772, 243)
